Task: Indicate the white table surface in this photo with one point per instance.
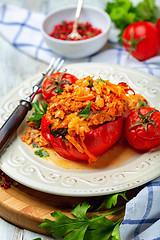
(13, 72)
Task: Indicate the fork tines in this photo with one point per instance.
(54, 66)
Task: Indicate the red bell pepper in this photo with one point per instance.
(97, 141)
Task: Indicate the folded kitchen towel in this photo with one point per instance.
(142, 215)
(22, 29)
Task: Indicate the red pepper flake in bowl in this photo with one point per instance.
(86, 30)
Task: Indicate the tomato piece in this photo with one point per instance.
(140, 39)
(142, 128)
(158, 27)
(48, 93)
(97, 141)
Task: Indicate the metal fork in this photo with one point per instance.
(13, 122)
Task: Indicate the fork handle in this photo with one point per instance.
(13, 122)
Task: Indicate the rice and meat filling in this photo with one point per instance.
(105, 101)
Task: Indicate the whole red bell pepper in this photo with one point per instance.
(97, 141)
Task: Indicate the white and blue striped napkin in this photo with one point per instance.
(142, 215)
(22, 29)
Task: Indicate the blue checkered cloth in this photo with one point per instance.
(142, 215)
(22, 29)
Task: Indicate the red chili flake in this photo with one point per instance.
(86, 30)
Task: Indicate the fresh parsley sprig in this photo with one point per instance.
(83, 228)
(41, 153)
(38, 112)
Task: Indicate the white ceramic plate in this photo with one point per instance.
(120, 169)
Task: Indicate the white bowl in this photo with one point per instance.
(81, 48)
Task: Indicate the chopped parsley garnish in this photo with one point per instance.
(58, 90)
(142, 104)
(35, 145)
(101, 80)
(90, 82)
(41, 153)
(86, 111)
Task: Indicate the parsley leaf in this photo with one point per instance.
(115, 233)
(85, 113)
(35, 145)
(58, 90)
(100, 229)
(90, 83)
(81, 227)
(101, 80)
(41, 153)
(110, 200)
(80, 210)
(74, 228)
(38, 112)
(44, 106)
(141, 104)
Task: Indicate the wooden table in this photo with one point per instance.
(15, 67)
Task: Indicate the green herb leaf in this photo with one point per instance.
(85, 113)
(35, 145)
(80, 210)
(37, 239)
(38, 113)
(90, 82)
(141, 104)
(111, 200)
(101, 228)
(101, 80)
(115, 233)
(81, 227)
(58, 90)
(74, 228)
(44, 106)
(41, 153)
